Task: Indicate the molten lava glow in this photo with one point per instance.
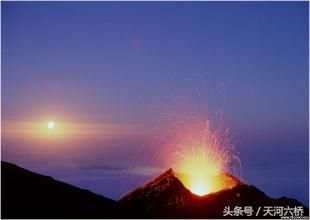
(205, 184)
(203, 156)
(199, 187)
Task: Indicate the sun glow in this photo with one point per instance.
(51, 124)
(203, 157)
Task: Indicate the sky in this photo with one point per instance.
(109, 73)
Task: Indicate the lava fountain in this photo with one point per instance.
(203, 157)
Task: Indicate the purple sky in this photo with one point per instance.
(108, 73)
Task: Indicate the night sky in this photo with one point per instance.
(108, 73)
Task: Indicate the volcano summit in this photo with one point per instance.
(167, 197)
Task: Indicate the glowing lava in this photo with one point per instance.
(203, 157)
(199, 186)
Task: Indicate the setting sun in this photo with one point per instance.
(51, 124)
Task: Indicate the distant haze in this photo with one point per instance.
(107, 73)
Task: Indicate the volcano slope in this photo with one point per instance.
(25, 194)
(166, 197)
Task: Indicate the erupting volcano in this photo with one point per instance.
(200, 183)
(202, 157)
(166, 197)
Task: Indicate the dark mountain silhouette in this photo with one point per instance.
(166, 197)
(25, 194)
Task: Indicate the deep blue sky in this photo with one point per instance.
(126, 62)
